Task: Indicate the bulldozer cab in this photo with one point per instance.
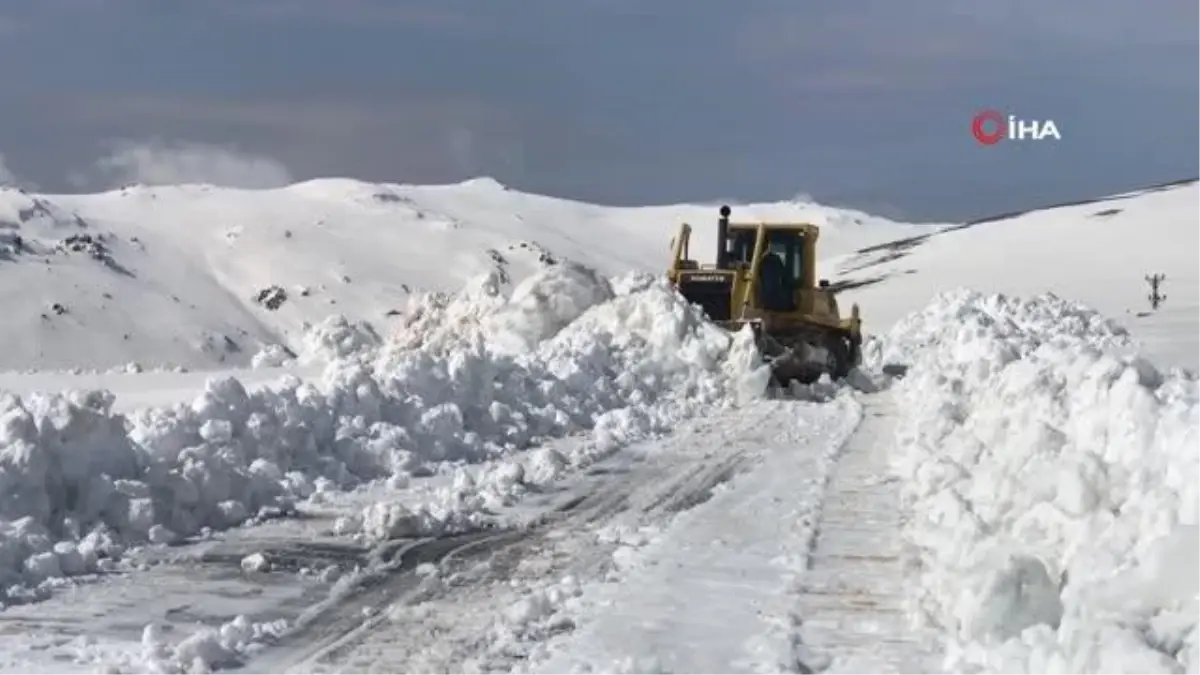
(761, 270)
(783, 274)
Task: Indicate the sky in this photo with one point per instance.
(862, 103)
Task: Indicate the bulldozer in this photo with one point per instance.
(765, 277)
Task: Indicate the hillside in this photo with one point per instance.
(1098, 253)
(186, 275)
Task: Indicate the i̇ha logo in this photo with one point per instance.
(991, 126)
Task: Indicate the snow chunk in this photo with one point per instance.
(1018, 595)
(209, 649)
(256, 562)
(543, 304)
(272, 356)
(338, 338)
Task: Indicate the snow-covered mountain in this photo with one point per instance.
(203, 277)
(561, 467)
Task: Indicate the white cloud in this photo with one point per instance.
(161, 163)
(10, 179)
(6, 175)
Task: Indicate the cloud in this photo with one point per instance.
(161, 163)
(10, 179)
(6, 175)
(389, 136)
(353, 115)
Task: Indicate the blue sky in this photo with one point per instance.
(866, 103)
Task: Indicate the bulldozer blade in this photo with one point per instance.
(806, 359)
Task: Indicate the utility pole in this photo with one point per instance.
(1156, 298)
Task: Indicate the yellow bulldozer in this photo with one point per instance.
(765, 277)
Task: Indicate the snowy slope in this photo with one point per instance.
(1098, 253)
(168, 276)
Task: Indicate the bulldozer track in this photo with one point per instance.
(852, 597)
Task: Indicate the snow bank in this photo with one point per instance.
(625, 369)
(79, 483)
(1052, 475)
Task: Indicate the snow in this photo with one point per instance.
(1051, 471)
(709, 590)
(523, 451)
(850, 615)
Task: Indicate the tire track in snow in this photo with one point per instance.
(443, 620)
(100, 620)
(351, 610)
(851, 612)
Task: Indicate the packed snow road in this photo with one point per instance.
(711, 590)
(766, 540)
(678, 551)
(790, 567)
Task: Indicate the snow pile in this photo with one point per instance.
(539, 613)
(79, 483)
(439, 322)
(624, 370)
(208, 649)
(545, 303)
(338, 338)
(1052, 475)
(272, 356)
(510, 319)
